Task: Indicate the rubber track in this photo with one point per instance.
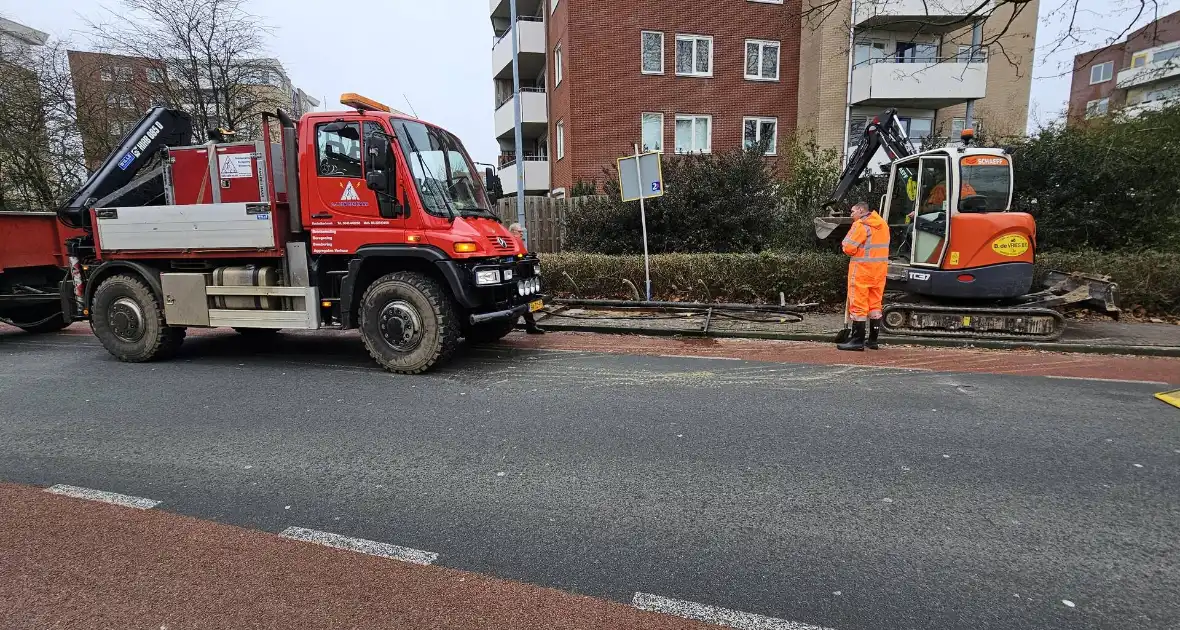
(907, 309)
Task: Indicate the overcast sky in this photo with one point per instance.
(438, 53)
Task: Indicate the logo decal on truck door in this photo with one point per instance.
(349, 198)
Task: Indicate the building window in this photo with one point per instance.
(338, 150)
(1138, 60)
(1097, 107)
(865, 52)
(652, 125)
(757, 130)
(694, 55)
(155, 75)
(965, 54)
(120, 100)
(957, 125)
(557, 65)
(105, 74)
(761, 60)
(560, 139)
(1165, 55)
(652, 52)
(122, 73)
(694, 133)
(1102, 72)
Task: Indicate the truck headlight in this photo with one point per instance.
(507, 275)
(491, 276)
(520, 288)
(537, 270)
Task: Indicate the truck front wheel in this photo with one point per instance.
(408, 323)
(128, 320)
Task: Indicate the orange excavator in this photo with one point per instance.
(961, 261)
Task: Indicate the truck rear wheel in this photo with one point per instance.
(128, 320)
(489, 332)
(408, 323)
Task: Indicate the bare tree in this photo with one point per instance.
(41, 159)
(210, 50)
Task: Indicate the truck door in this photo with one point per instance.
(347, 214)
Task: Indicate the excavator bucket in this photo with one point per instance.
(832, 228)
(1096, 293)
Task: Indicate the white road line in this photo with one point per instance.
(1107, 380)
(124, 500)
(360, 545)
(713, 614)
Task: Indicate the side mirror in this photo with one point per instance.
(494, 186)
(376, 153)
(377, 181)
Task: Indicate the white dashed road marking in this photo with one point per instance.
(1106, 380)
(713, 614)
(138, 503)
(360, 545)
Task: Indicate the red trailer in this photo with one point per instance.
(35, 290)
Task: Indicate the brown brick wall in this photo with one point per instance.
(604, 93)
(95, 114)
(823, 73)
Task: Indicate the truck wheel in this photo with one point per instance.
(128, 320)
(408, 323)
(488, 332)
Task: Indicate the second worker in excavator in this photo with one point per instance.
(867, 244)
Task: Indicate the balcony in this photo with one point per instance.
(931, 84)
(534, 121)
(532, 50)
(536, 174)
(929, 16)
(500, 8)
(1150, 73)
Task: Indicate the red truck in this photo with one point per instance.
(365, 218)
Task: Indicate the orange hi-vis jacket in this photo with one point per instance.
(868, 245)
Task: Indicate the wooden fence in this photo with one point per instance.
(544, 219)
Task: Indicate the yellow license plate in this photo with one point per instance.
(535, 306)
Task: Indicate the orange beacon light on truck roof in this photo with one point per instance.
(361, 103)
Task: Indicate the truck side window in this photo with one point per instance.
(338, 149)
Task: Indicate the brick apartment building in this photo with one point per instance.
(113, 91)
(1139, 74)
(697, 75)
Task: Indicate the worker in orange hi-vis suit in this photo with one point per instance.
(868, 245)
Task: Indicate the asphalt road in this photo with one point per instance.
(851, 498)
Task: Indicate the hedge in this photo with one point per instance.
(1147, 280)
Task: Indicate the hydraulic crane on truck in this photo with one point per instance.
(365, 218)
(961, 260)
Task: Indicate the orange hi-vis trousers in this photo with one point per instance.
(868, 245)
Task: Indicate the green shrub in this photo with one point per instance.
(1149, 279)
(720, 202)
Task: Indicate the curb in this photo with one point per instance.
(1147, 351)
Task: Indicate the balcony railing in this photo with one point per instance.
(510, 160)
(508, 97)
(501, 34)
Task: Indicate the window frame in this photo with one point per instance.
(694, 39)
(106, 74)
(708, 135)
(320, 153)
(1139, 56)
(772, 150)
(1104, 101)
(762, 44)
(558, 75)
(128, 75)
(559, 133)
(964, 54)
(642, 69)
(663, 139)
(1105, 64)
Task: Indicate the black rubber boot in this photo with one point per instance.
(874, 329)
(530, 325)
(857, 340)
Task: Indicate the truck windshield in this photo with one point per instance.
(445, 178)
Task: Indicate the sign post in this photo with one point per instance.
(644, 179)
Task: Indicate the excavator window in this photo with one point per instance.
(903, 199)
(930, 224)
(987, 183)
